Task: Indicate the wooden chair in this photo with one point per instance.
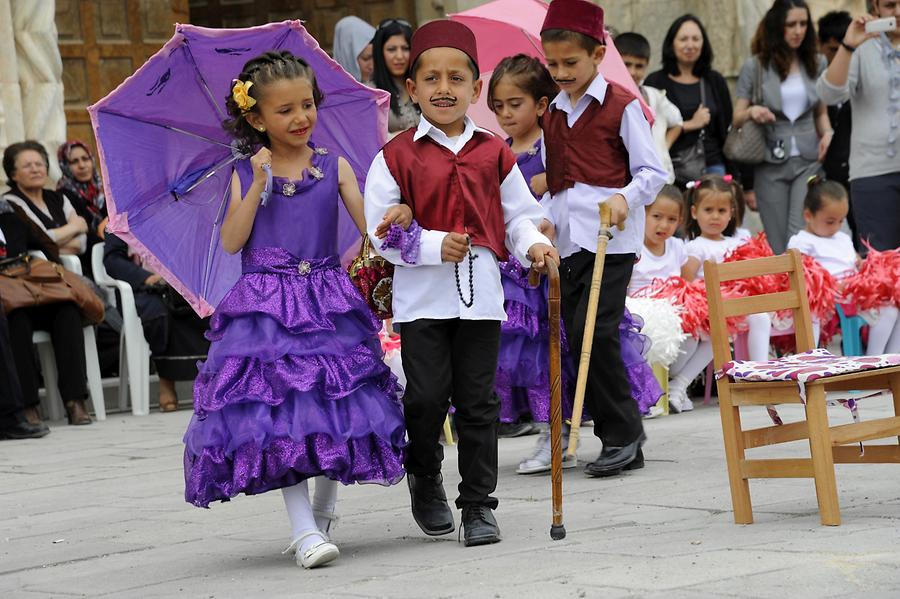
(828, 445)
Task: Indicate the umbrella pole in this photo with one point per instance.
(590, 320)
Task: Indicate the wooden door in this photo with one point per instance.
(102, 42)
(320, 16)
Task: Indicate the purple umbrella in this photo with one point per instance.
(167, 161)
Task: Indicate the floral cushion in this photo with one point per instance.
(805, 367)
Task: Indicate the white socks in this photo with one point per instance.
(300, 512)
(687, 349)
(760, 327)
(696, 362)
(884, 333)
(324, 501)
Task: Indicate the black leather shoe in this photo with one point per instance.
(613, 460)
(429, 504)
(25, 430)
(479, 526)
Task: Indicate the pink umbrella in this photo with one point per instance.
(507, 27)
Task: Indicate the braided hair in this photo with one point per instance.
(264, 69)
(706, 185)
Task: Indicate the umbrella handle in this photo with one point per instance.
(264, 196)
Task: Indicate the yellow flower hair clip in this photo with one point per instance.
(241, 95)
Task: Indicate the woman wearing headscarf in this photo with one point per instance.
(353, 47)
(82, 185)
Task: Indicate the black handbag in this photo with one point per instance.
(175, 304)
(690, 162)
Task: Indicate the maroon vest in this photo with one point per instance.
(457, 193)
(591, 152)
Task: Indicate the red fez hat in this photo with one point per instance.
(575, 15)
(443, 34)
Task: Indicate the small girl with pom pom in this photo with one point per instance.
(710, 227)
(824, 210)
(663, 258)
(294, 386)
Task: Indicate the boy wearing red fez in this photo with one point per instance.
(471, 207)
(598, 149)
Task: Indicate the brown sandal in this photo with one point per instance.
(168, 403)
(77, 413)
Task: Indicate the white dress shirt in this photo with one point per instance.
(575, 212)
(427, 289)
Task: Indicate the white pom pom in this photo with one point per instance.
(662, 324)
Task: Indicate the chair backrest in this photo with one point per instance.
(721, 308)
(100, 274)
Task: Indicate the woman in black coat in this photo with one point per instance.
(174, 332)
(687, 64)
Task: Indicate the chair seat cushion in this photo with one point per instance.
(804, 367)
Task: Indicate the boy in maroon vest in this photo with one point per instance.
(598, 149)
(470, 204)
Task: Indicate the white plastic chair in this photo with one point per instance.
(53, 402)
(134, 354)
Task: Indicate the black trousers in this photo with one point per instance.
(11, 400)
(63, 322)
(617, 420)
(453, 358)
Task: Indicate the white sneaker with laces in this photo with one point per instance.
(540, 459)
(317, 554)
(686, 404)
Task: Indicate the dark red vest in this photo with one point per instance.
(591, 152)
(457, 193)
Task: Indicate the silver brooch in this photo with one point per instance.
(303, 268)
(316, 172)
(288, 189)
(532, 150)
(320, 151)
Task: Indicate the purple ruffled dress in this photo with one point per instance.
(523, 375)
(294, 385)
(523, 365)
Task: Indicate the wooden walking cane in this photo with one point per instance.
(590, 319)
(557, 529)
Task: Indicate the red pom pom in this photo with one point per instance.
(691, 298)
(876, 282)
(821, 289)
(755, 247)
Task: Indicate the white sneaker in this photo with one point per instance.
(317, 554)
(676, 400)
(686, 404)
(540, 459)
(654, 412)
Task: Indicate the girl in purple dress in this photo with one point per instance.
(519, 93)
(294, 386)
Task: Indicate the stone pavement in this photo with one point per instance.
(98, 511)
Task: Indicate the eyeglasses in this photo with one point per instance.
(387, 22)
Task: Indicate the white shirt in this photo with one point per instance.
(68, 211)
(427, 289)
(704, 249)
(651, 266)
(836, 253)
(667, 116)
(575, 212)
(793, 102)
(743, 234)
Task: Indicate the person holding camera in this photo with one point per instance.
(866, 71)
(780, 78)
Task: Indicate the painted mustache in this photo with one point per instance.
(441, 99)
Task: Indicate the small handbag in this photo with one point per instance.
(26, 282)
(747, 143)
(690, 162)
(374, 277)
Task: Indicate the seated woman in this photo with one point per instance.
(25, 164)
(62, 320)
(82, 186)
(175, 334)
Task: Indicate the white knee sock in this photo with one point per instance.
(881, 332)
(687, 349)
(760, 326)
(296, 500)
(817, 330)
(694, 366)
(324, 501)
